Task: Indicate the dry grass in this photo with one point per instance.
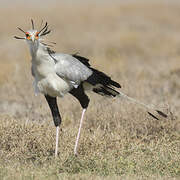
(138, 45)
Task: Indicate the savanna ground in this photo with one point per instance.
(138, 44)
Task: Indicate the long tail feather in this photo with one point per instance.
(150, 108)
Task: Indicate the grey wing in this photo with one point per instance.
(71, 69)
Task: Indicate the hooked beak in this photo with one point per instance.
(33, 39)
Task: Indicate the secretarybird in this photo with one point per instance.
(56, 74)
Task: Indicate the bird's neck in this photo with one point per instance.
(37, 49)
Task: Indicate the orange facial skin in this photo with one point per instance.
(37, 35)
(28, 36)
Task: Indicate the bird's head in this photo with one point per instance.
(33, 35)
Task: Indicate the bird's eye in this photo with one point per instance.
(37, 34)
(27, 36)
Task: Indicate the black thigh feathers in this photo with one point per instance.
(102, 83)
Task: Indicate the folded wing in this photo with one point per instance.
(71, 69)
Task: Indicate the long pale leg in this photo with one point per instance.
(57, 140)
(79, 131)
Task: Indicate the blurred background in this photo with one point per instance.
(136, 42)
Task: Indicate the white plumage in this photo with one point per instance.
(55, 74)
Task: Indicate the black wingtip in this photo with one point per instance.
(115, 84)
(153, 116)
(161, 113)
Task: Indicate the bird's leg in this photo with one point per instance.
(84, 101)
(52, 102)
(57, 140)
(79, 132)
